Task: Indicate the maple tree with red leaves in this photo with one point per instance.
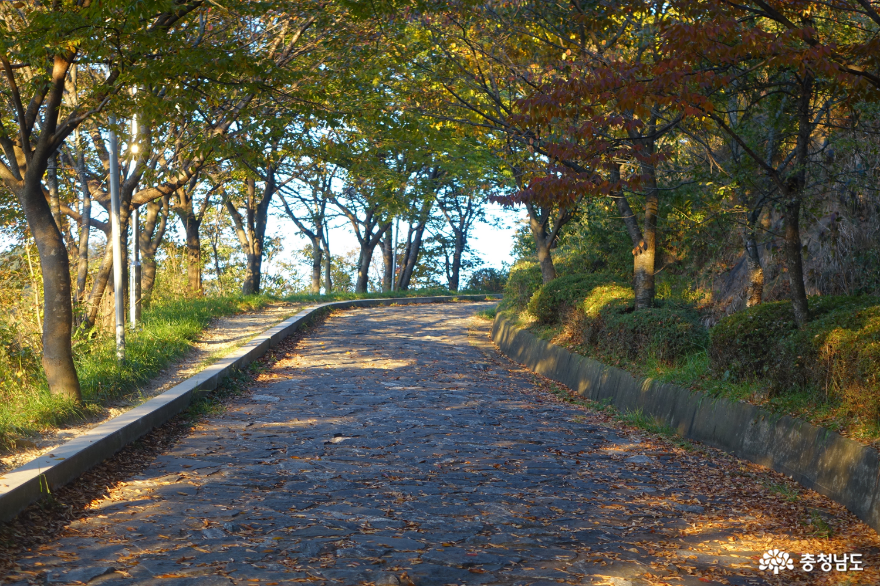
(638, 70)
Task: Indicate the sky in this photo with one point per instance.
(493, 244)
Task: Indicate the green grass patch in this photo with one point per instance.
(167, 331)
(789, 493)
(488, 314)
(638, 418)
(821, 527)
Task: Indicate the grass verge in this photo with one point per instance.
(166, 333)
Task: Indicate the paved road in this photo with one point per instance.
(391, 450)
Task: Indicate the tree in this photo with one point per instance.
(311, 217)
(41, 44)
(460, 210)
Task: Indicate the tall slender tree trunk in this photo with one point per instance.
(328, 263)
(193, 254)
(388, 258)
(317, 262)
(457, 251)
(755, 291)
(411, 255)
(643, 254)
(155, 222)
(791, 210)
(414, 237)
(82, 269)
(57, 307)
(794, 261)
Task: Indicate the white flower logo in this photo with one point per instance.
(776, 560)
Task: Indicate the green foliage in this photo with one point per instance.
(835, 357)
(556, 298)
(488, 279)
(742, 344)
(607, 324)
(168, 330)
(524, 280)
(598, 314)
(488, 314)
(667, 334)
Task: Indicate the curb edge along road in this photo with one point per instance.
(26, 484)
(842, 469)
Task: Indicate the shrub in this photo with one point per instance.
(524, 280)
(608, 325)
(551, 301)
(836, 355)
(489, 280)
(742, 345)
(666, 333)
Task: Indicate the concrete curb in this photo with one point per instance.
(25, 485)
(817, 458)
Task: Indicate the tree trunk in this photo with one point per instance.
(317, 261)
(794, 261)
(82, 269)
(646, 252)
(458, 250)
(411, 255)
(545, 257)
(645, 256)
(193, 254)
(364, 260)
(328, 265)
(794, 190)
(543, 242)
(252, 274)
(414, 237)
(98, 286)
(755, 291)
(388, 258)
(151, 237)
(52, 185)
(57, 307)
(368, 245)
